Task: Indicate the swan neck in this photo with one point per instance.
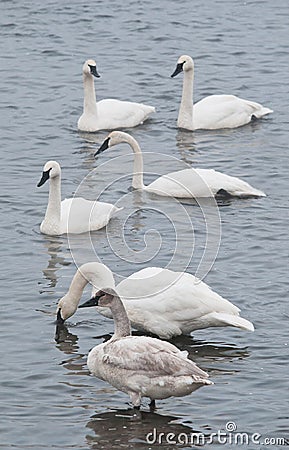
(121, 320)
(76, 288)
(89, 103)
(185, 118)
(137, 179)
(53, 211)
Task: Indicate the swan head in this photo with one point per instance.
(89, 68)
(102, 298)
(114, 138)
(95, 273)
(50, 170)
(65, 309)
(184, 64)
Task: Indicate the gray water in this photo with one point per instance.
(49, 401)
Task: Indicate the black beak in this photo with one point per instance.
(92, 302)
(103, 146)
(44, 178)
(59, 319)
(178, 70)
(93, 71)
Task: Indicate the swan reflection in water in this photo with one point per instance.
(57, 251)
(138, 430)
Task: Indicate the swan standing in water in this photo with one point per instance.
(141, 366)
(185, 183)
(158, 301)
(215, 111)
(107, 114)
(73, 215)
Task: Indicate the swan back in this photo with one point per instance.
(201, 183)
(168, 303)
(79, 215)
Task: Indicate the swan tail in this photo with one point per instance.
(232, 321)
(250, 193)
(259, 110)
(115, 210)
(262, 112)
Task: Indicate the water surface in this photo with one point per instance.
(49, 401)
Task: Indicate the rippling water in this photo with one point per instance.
(49, 401)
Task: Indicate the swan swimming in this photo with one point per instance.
(158, 301)
(73, 215)
(141, 366)
(186, 183)
(107, 114)
(215, 111)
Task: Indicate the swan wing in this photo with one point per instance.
(200, 183)
(225, 111)
(119, 114)
(168, 303)
(150, 356)
(79, 215)
(185, 183)
(234, 186)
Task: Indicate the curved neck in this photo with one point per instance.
(89, 103)
(76, 288)
(185, 118)
(96, 274)
(137, 179)
(121, 320)
(53, 211)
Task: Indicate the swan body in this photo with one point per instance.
(215, 111)
(199, 183)
(158, 301)
(185, 183)
(107, 114)
(141, 366)
(73, 215)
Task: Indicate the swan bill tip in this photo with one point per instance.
(44, 178)
(103, 146)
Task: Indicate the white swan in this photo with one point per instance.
(142, 366)
(158, 301)
(214, 111)
(107, 114)
(185, 183)
(73, 215)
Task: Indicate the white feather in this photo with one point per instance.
(159, 301)
(215, 111)
(108, 114)
(186, 183)
(73, 215)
